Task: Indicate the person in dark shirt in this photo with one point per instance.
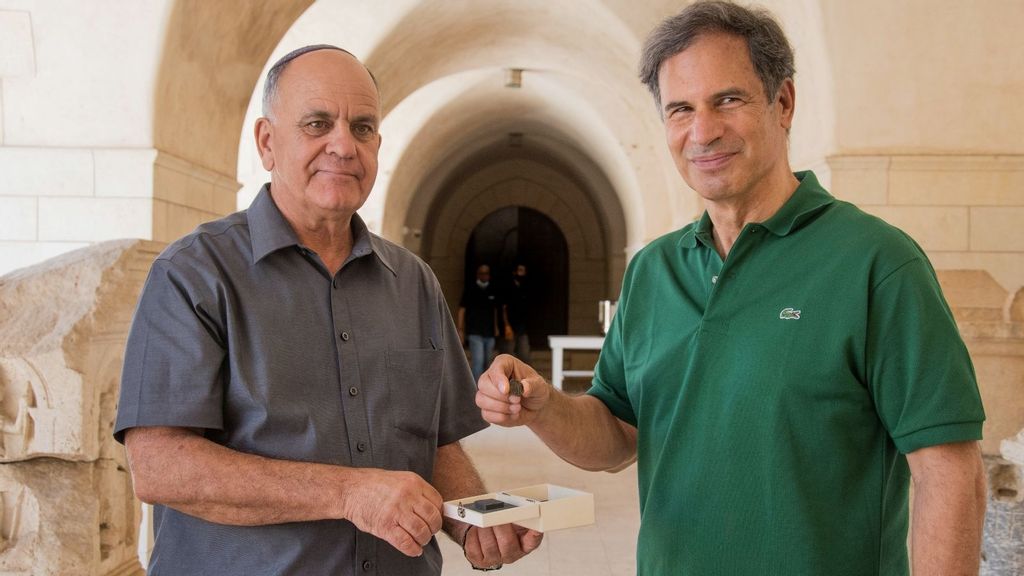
(515, 309)
(294, 393)
(478, 319)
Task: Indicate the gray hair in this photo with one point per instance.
(274, 74)
(770, 52)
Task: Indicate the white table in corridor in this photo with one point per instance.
(558, 346)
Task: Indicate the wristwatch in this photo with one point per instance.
(462, 544)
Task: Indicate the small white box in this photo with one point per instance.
(541, 507)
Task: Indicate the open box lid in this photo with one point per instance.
(541, 507)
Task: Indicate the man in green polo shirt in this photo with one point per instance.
(781, 368)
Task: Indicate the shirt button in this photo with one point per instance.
(344, 336)
(353, 391)
(714, 279)
(367, 566)
(335, 283)
(361, 446)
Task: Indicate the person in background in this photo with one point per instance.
(478, 319)
(514, 310)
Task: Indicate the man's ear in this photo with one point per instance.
(787, 103)
(263, 131)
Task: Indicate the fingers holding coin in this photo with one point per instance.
(515, 387)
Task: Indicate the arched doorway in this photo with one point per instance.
(517, 235)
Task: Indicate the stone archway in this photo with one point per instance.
(516, 235)
(528, 184)
(213, 55)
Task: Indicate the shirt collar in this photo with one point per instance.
(270, 232)
(806, 202)
(701, 230)
(367, 243)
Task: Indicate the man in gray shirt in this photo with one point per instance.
(294, 390)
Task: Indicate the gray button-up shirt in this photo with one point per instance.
(241, 331)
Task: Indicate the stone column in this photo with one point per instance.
(65, 490)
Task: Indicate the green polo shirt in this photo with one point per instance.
(777, 392)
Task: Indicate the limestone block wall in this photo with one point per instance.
(67, 502)
(965, 211)
(77, 147)
(447, 228)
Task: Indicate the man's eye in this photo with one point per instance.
(318, 125)
(364, 130)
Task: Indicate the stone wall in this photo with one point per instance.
(67, 502)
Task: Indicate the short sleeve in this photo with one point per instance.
(174, 356)
(609, 383)
(919, 371)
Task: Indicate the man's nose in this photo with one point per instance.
(706, 127)
(341, 142)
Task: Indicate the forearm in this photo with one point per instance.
(455, 476)
(949, 511)
(183, 470)
(582, 431)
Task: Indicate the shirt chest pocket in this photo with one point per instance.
(414, 384)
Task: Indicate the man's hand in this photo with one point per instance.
(456, 477)
(492, 547)
(398, 507)
(579, 429)
(495, 403)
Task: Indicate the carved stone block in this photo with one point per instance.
(63, 518)
(66, 495)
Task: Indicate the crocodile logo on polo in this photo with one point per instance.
(789, 314)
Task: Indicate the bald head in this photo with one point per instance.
(270, 87)
(321, 138)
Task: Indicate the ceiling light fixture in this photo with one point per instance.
(513, 77)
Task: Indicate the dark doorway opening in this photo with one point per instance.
(516, 235)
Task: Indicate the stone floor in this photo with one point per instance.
(513, 457)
